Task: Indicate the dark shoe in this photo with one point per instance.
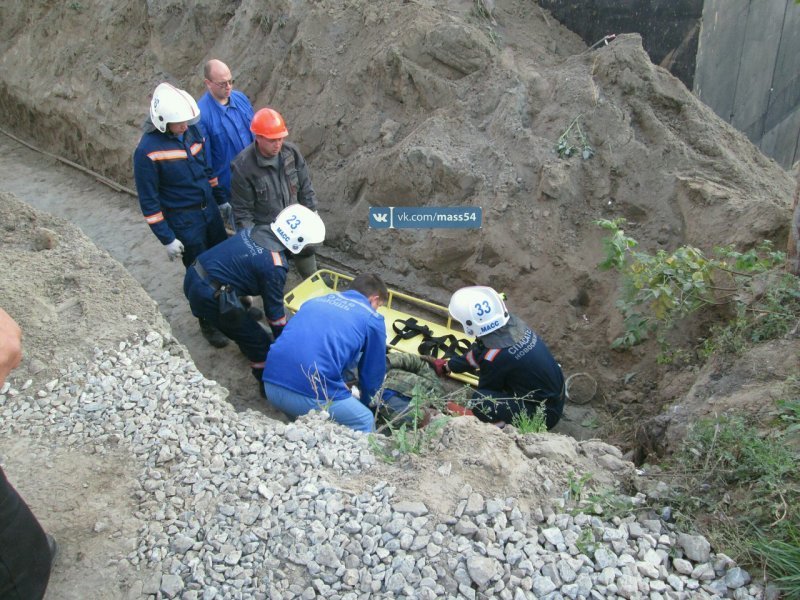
(53, 546)
(247, 301)
(214, 336)
(255, 313)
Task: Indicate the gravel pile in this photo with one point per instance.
(240, 506)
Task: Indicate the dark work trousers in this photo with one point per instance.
(198, 229)
(251, 338)
(495, 405)
(24, 553)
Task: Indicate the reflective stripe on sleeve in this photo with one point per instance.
(471, 360)
(277, 322)
(154, 218)
(167, 155)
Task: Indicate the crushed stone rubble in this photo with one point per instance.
(240, 506)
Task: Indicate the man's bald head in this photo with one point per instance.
(218, 80)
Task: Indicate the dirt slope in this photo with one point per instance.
(422, 103)
(87, 491)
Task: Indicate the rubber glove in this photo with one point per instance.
(175, 249)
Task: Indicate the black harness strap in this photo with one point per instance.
(443, 346)
(408, 329)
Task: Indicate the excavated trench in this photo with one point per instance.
(113, 221)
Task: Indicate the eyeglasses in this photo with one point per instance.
(223, 84)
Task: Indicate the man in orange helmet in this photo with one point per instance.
(269, 175)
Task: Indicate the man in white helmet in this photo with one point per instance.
(251, 263)
(178, 194)
(517, 373)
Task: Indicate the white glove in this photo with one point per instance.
(175, 249)
(226, 210)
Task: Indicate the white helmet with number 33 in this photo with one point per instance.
(297, 226)
(479, 309)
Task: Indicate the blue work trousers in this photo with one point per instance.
(347, 411)
(249, 335)
(197, 228)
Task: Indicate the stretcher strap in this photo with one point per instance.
(443, 346)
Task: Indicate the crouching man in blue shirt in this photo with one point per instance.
(329, 334)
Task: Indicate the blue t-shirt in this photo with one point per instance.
(326, 336)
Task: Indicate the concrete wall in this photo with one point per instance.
(748, 71)
(741, 57)
(669, 28)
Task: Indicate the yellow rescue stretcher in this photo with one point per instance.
(431, 334)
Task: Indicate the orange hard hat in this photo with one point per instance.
(269, 123)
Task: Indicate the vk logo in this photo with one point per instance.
(380, 217)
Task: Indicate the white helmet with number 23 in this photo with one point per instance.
(479, 309)
(296, 226)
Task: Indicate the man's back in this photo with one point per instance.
(326, 336)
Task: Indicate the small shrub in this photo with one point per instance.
(660, 289)
(530, 423)
(573, 141)
(408, 433)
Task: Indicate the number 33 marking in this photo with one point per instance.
(482, 308)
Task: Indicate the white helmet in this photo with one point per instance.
(295, 226)
(479, 309)
(171, 105)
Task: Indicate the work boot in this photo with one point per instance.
(214, 336)
(255, 313)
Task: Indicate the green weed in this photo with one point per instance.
(530, 423)
(573, 140)
(586, 543)
(660, 289)
(738, 480)
(408, 432)
(782, 558)
(575, 486)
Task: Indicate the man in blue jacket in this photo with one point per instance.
(305, 366)
(517, 372)
(225, 114)
(178, 194)
(251, 263)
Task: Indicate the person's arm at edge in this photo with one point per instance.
(10, 345)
